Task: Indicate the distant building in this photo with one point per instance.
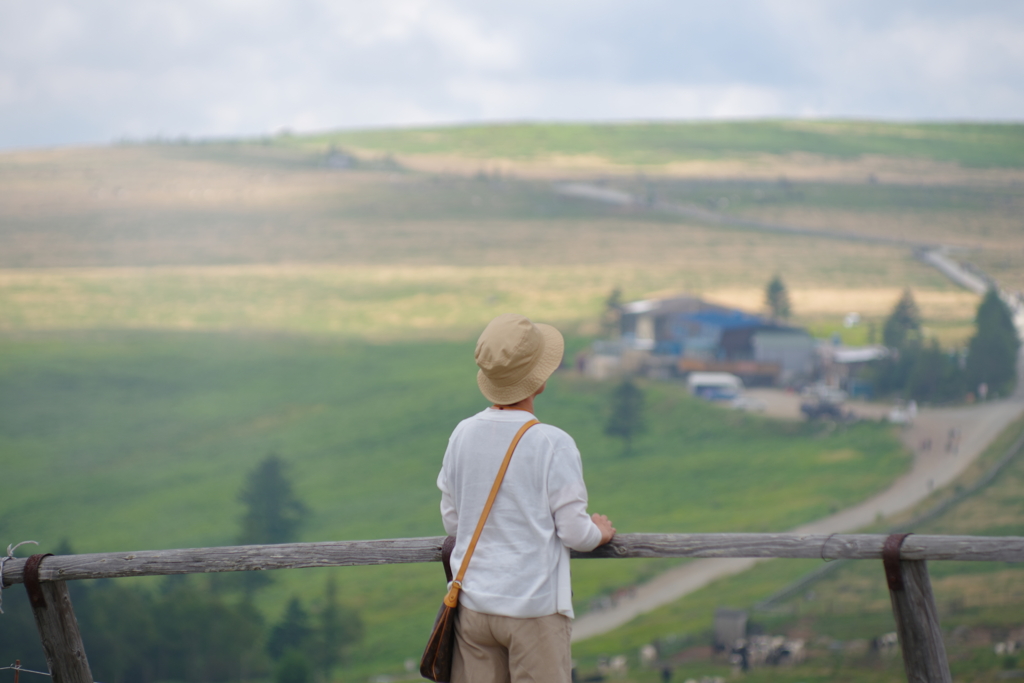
(686, 334)
(654, 324)
(340, 159)
(730, 626)
(793, 350)
(843, 366)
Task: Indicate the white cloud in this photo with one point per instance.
(73, 71)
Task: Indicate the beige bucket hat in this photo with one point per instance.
(516, 357)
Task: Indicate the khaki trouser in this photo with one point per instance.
(495, 649)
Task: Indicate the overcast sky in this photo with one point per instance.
(92, 71)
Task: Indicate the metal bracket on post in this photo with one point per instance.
(58, 627)
(891, 561)
(32, 586)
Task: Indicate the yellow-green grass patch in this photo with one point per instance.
(379, 302)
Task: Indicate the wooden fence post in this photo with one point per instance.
(58, 627)
(917, 617)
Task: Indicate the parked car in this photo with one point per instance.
(748, 403)
(818, 409)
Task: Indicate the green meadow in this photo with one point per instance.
(127, 441)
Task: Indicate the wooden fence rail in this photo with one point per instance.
(904, 559)
(409, 550)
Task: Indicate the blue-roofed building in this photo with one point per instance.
(700, 335)
(721, 334)
(655, 324)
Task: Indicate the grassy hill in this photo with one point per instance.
(122, 441)
(268, 237)
(172, 313)
(980, 145)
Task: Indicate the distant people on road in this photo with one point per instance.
(953, 441)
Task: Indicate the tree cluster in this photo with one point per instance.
(201, 629)
(187, 631)
(921, 370)
(136, 636)
(302, 642)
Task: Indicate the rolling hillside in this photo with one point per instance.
(120, 441)
(171, 313)
(654, 144)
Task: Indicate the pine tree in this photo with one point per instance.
(934, 375)
(626, 417)
(292, 668)
(338, 626)
(776, 297)
(273, 513)
(903, 326)
(612, 313)
(292, 633)
(992, 353)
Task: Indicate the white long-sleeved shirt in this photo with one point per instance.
(520, 567)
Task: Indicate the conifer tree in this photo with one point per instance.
(338, 627)
(292, 668)
(273, 512)
(776, 297)
(992, 353)
(934, 375)
(612, 313)
(292, 632)
(626, 416)
(903, 326)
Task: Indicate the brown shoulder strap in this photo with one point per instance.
(452, 599)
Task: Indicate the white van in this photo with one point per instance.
(714, 386)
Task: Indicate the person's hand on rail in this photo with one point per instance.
(605, 525)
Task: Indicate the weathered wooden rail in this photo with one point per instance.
(904, 559)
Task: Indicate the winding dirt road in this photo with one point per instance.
(978, 426)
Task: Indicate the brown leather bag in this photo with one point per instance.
(436, 663)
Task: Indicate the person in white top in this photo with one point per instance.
(515, 606)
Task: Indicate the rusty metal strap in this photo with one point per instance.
(891, 560)
(35, 592)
